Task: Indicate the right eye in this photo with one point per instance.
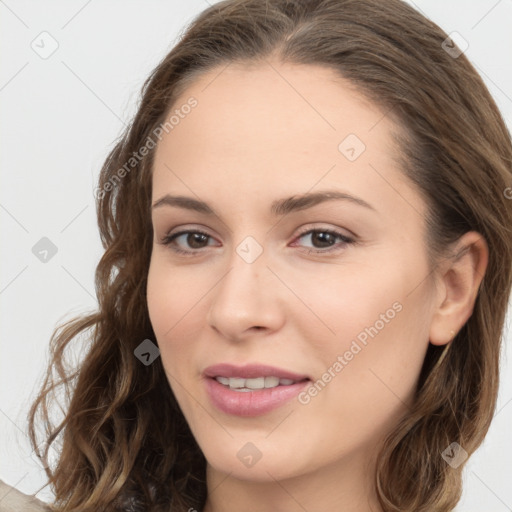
(188, 242)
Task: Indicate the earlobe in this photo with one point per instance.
(461, 276)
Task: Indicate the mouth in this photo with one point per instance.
(251, 390)
(254, 384)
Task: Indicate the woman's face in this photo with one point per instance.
(288, 254)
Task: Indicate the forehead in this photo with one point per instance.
(280, 127)
(279, 104)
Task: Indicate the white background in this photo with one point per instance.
(61, 115)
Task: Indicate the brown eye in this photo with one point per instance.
(323, 240)
(188, 242)
(197, 240)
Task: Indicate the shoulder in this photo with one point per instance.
(12, 500)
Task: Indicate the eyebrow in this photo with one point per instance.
(279, 207)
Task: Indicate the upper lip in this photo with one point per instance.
(251, 371)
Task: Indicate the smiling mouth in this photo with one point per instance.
(253, 389)
(254, 384)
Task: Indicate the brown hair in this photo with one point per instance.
(125, 444)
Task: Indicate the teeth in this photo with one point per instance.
(236, 383)
(258, 383)
(240, 384)
(271, 382)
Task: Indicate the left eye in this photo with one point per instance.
(324, 239)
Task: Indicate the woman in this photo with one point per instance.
(306, 272)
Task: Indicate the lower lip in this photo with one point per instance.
(251, 403)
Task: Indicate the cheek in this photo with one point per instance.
(178, 306)
(172, 304)
(367, 370)
(169, 299)
(171, 294)
(344, 303)
(161, 302)
(366, 330)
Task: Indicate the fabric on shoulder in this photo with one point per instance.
(12, 500)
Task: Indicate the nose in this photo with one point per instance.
(247, 301)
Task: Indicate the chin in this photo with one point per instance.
(259, 461)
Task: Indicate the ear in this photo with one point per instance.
(458, 283)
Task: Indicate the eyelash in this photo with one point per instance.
(169, 239)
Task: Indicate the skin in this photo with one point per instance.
(261, 133)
